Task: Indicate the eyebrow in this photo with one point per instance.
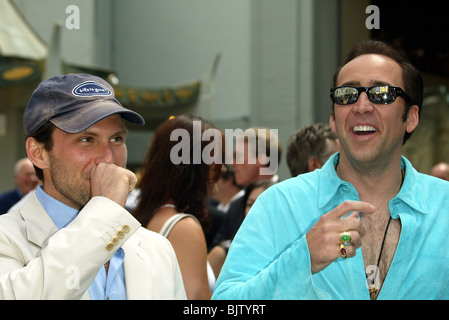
(380, 83)
(89, 132)
(372, 83)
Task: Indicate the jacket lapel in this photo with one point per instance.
(39, 225)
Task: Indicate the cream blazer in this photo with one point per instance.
(38, 261)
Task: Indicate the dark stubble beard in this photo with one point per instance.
(72, 190)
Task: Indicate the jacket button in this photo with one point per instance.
(109, 246)
(120, 234)
(126, 228)
(115, 240)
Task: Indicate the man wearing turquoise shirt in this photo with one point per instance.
(294, 243)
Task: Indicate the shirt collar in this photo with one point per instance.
(60, 213)
(329, 182)
(410, 194)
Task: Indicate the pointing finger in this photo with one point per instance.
(350, 206)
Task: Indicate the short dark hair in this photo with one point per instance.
(413, 83)
(43, 135)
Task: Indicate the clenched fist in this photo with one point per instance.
(111, 181)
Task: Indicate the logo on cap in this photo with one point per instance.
(90, 89)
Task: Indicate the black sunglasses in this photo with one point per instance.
(377, 94)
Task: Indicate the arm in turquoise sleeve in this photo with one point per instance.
(268, 259)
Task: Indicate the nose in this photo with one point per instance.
(363, 104)
(105, 154)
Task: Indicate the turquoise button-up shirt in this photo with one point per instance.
(269, 257)
(104, 287)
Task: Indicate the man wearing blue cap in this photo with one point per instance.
(73, 239)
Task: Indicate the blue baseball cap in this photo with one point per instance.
(73, 103)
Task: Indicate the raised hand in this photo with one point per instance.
(323, 238)
(111, 181)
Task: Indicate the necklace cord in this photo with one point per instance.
(386, 231)
(372, 288)
(383, 242)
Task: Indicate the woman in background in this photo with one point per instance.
(174, 192)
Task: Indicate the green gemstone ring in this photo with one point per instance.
(345, 238)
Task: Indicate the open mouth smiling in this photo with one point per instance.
(363, 130)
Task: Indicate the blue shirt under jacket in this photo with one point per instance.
(109, 286)
(269, 257)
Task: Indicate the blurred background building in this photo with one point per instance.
(237, 63)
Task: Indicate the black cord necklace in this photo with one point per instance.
(372, 287)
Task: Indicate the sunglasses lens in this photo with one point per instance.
(345, 95)
(382, 94)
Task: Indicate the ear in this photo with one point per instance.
(412, 119)
(332, 122)
(36, 153)
(313, 163)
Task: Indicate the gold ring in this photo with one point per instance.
(343, 251)
(345, 238)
